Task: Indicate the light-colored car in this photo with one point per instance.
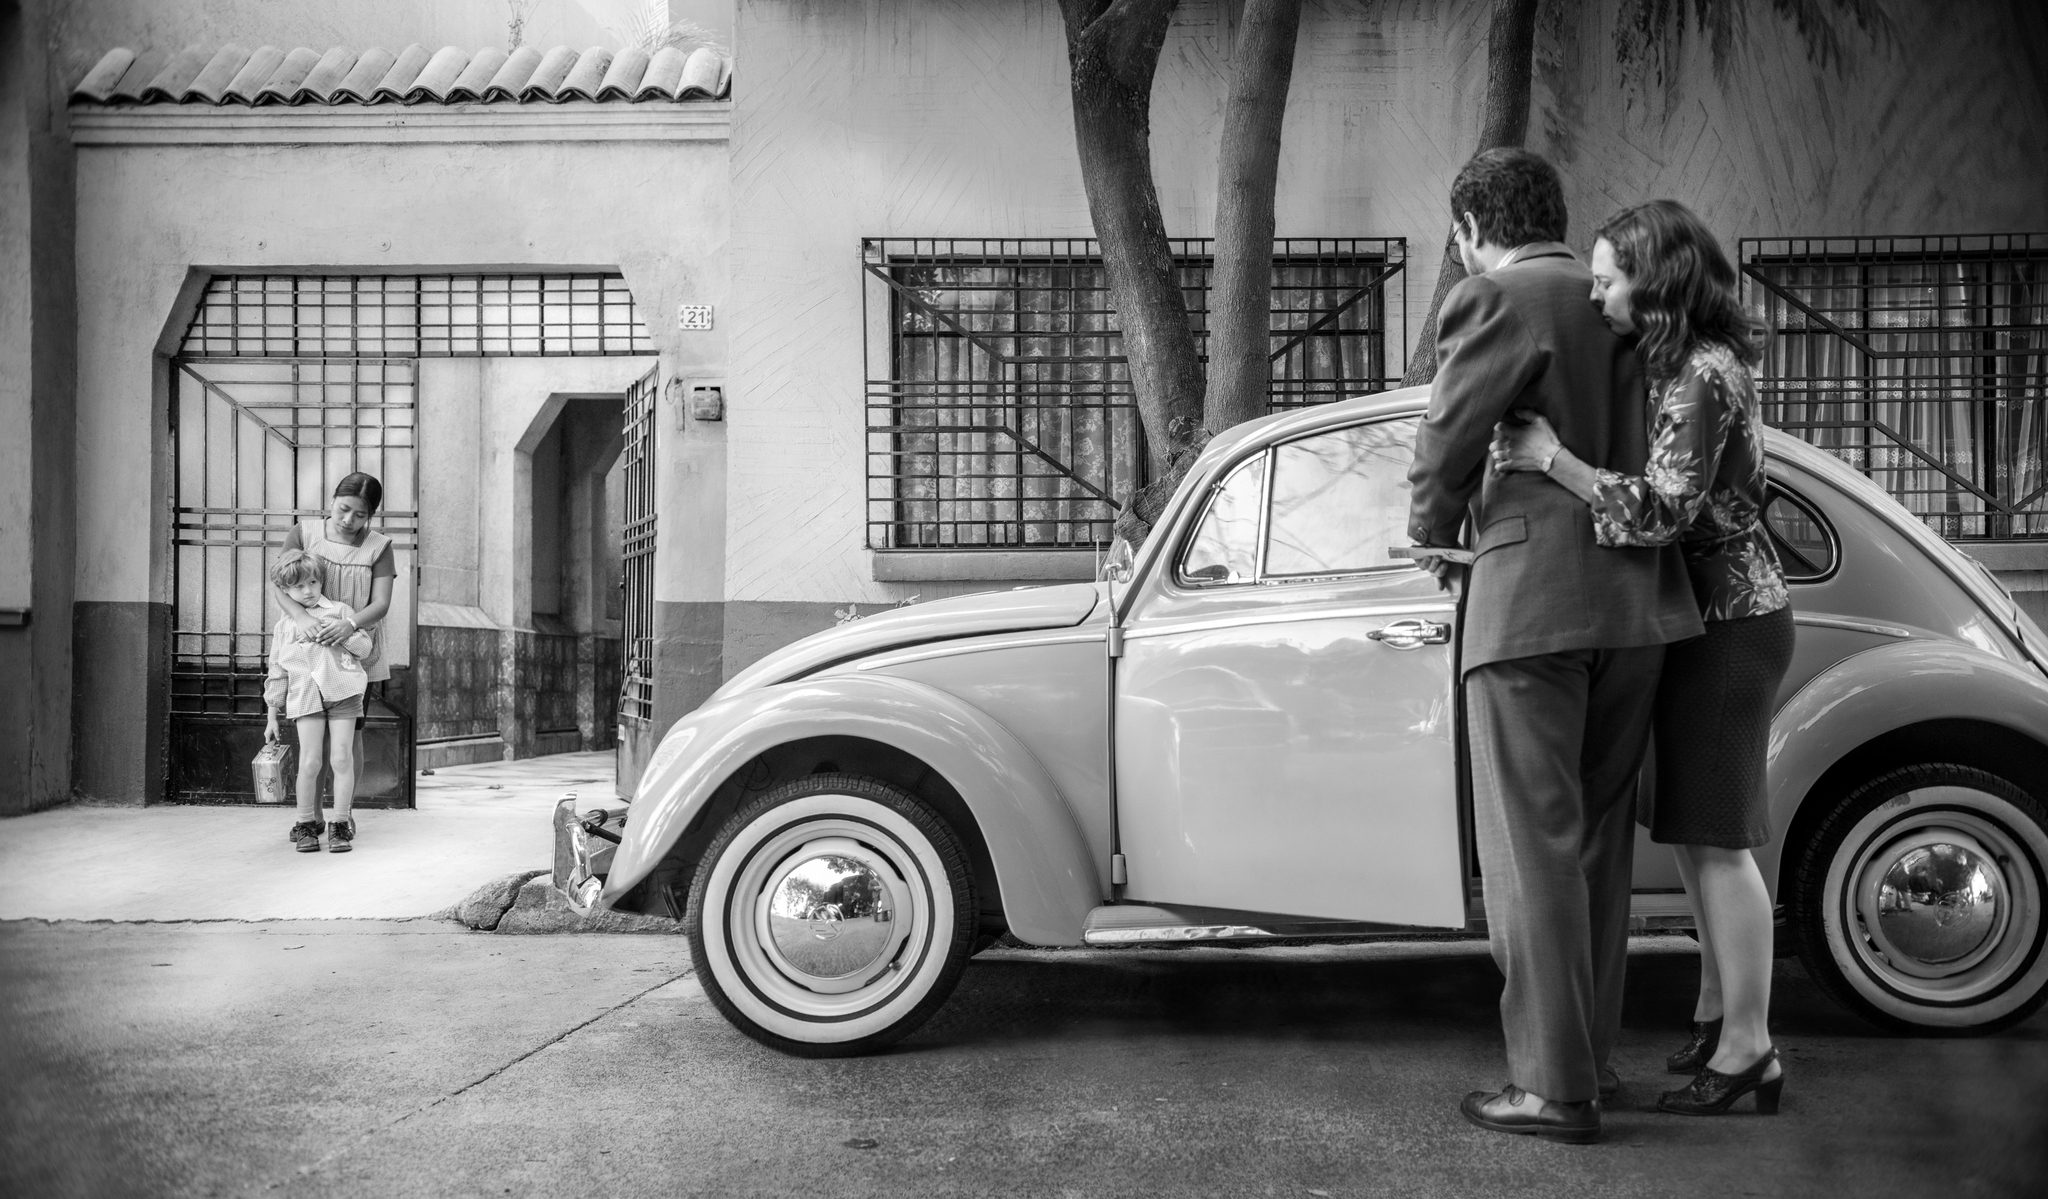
(1252, 730)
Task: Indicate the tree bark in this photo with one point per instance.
(1248, 169)
(1510, 51)
(1113, 49)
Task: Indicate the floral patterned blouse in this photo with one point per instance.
(1703, 488)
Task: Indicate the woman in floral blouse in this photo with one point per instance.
(1660, 277)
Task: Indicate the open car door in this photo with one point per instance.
(1286, 736)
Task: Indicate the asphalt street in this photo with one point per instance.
(373, 1058)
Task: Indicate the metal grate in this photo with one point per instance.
(259, 448)
(1921, 361)
(636, 625)
(1005, 418)
(416, 316)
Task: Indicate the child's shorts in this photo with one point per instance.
(345, 709)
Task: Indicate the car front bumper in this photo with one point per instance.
(585, 839)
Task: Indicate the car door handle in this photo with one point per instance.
(1412, 634)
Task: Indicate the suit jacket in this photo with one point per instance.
(1526, 336)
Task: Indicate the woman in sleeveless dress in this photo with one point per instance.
(358, 568)
(1660, 277)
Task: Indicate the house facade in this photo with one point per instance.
(825, 331)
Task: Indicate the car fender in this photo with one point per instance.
(1047, 881)
(1874, 692)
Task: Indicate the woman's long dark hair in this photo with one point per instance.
(371, 492)
(1682, 288)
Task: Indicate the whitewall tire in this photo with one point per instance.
(831, 916)
(1921, 901)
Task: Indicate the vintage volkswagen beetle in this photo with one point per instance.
(1252, 731)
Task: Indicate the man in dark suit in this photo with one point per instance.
(1563, 640)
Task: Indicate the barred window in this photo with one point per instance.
(1000, 407)
(415, 316)
(1921, 361)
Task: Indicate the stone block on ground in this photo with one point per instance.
(540, 908)
(486, 906)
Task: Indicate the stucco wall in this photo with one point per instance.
(36, 394)
(155, 219)
(951, 118)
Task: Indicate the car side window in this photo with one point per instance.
(1805, 544)
(1225, 546)
(1340, 499)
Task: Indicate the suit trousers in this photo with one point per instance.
(1557, 744)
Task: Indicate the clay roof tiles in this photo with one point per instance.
(233, 74)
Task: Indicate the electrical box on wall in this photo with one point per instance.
(696, 398)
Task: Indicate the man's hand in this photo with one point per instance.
(1439, 567)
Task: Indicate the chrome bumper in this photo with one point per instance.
(585, 839)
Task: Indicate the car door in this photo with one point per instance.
(1286, 732)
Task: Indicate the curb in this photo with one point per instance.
(527, 903)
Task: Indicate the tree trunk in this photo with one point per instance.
(1113, 49)
(1510, 49)
(1241, 289)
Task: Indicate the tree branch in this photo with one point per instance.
(1241, 289)
(1510, 62)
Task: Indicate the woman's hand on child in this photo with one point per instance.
(1528, 446)
(334, 632)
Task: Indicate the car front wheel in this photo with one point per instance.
(1919, 900)
(831, 916)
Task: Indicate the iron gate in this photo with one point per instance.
(1922, 362)
(636, 559)
(258, 446)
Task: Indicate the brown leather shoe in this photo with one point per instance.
(1495, 1111)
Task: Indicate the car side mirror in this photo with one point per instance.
(1116, 565)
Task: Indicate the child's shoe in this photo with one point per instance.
(339, 834)
(306, 836)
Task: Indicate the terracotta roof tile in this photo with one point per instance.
(273, 75)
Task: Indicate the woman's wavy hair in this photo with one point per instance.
(1682, 287)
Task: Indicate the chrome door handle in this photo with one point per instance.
(1412, 634)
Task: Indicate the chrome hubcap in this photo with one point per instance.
(829, 915)
(1939, 902)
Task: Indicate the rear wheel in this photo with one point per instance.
(831, 916)
(1919, 901)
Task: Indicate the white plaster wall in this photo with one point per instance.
(150, 216)
(951, 118)
(449, 393)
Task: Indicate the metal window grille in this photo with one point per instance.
(1005, 418)
(416, 316)
(636, 624)
(1921, 361)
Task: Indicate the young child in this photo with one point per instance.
(320, 689)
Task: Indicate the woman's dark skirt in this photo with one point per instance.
(1713, 720)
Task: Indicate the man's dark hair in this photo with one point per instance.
(1515, 195)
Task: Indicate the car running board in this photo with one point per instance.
(1141, 923)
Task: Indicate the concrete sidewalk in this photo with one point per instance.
(176, 862)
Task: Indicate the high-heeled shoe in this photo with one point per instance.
(1706, 1037)
(1713, 1092)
